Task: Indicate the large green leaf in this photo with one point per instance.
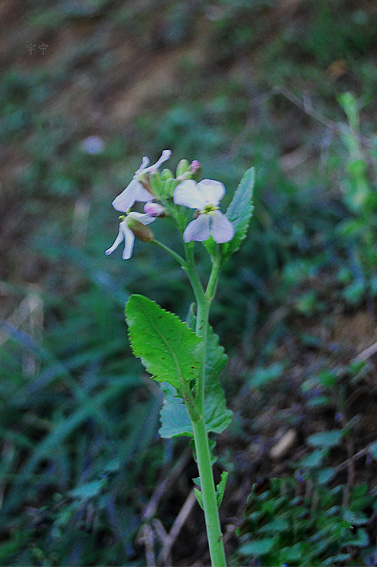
(174, 418)
(239, 212)
(168, 349)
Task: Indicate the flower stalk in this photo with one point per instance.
(203, 454)
(211, 512)
(185, 360)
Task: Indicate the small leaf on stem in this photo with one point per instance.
(220, 488)
(239, 212)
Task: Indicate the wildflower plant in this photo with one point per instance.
(186, 357)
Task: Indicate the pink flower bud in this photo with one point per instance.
(195, 165)
(154, 209)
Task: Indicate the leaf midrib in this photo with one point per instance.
(166, 342)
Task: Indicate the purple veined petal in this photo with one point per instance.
(197, 229)
(129, 240)
(188, 194)
(133, 192)
(164, 157)
(213, 191)
(141, 217)
(222, 229)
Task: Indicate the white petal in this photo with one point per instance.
(164, 157)
(197, 229)
(222, 229)
(143, 165)
(141, 217)
(213, 191)
(133, 192)
(119, 239)
(129, 240)
(188, 194)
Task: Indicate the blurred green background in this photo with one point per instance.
(87, 89)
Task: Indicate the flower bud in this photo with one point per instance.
(140, 231)
(182, 167)
(155, 183)
(166, 174)
(196, 169)
(167, 179)
(154, 209)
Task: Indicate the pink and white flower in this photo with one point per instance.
(126, 233)
(204, 196)
(135, 190)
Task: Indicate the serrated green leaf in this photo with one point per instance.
(168, 349)
(239, 212)
(220, 488)
(174, 418)
(217, 416)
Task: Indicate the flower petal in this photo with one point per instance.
(222, 229)
(143, 165)
(119, 239)
(141, 217)
(129, 240)
(133, 192)
(164, 157)
(213, 191)
(197, 229)
(188, 194)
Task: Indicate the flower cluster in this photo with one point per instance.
(133, 222)
(204, 196)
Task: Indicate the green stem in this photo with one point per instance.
(202, 331)
(176, 256)
(192, 273)
(212, 282)
(201, 320)
(211, 512)
(203, 455)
